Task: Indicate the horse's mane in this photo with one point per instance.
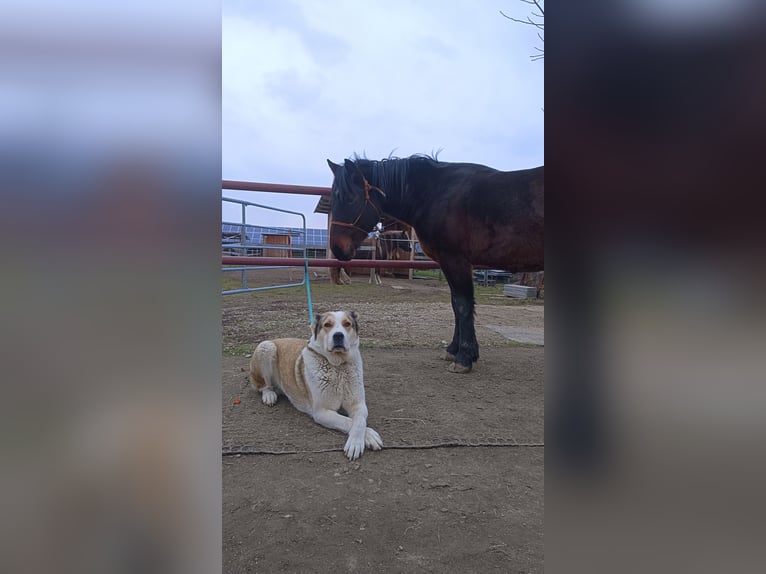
(391, 172)
(434, 157)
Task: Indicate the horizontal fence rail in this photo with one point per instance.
(243, 261)
(294, 262)
(274, 187)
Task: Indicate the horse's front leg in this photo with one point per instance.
(464, 347)
(468, 346)
(452, 348)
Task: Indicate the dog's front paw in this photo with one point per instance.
(372, 439)
(354, 447)
(269, 397)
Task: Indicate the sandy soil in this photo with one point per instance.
(459, 486)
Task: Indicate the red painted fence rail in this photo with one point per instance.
(298, 262)
(274, 187)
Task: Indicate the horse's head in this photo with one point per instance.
(356, 208)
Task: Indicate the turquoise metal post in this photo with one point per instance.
(306, 271)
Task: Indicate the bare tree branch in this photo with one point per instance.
(527, 21)
(536, 3)
(530, 22)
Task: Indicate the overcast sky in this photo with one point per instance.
(307, 80)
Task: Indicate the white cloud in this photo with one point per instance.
(304, 81)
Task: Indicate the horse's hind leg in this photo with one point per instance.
(464, 347)
(451, 350)
(454, 346)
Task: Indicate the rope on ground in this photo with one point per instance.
(245, 450)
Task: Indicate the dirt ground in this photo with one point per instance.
(458, 486)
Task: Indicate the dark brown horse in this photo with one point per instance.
(464, 214)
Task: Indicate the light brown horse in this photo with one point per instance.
(388, 246)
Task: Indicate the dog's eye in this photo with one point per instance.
(347, 324)
(327, 325)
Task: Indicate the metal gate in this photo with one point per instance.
(244, 244)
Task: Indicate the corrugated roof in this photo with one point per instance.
(323, 205)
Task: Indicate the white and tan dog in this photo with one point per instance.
(320, 377)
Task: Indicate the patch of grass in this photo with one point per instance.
(326, 295)
(237, 350)
(429, 274)
(231, 281)
(494, 296)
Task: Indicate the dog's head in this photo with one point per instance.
(335, 334)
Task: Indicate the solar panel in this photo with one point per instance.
(254, 233)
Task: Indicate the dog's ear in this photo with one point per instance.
(317, 324)
(354, 319)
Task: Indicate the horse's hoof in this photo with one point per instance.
(447, 356)
(458, 368)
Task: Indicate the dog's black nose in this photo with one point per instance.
(337, 338)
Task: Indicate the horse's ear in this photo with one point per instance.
(354, 171)
(334, 167)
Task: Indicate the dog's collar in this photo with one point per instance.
(310, 348)
(316, 352)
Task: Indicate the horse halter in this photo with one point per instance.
(367, 201)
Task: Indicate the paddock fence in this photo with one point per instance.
(242, 261)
